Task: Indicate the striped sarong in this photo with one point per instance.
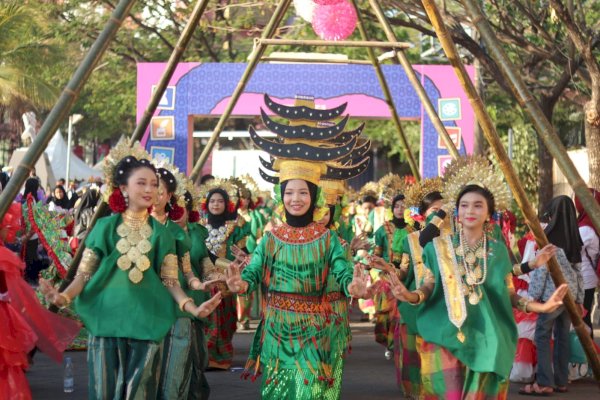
(445, 377)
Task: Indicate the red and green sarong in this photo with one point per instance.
(444, 376)
(220, 327)
(408, 362)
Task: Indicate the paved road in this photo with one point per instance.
(367, 375)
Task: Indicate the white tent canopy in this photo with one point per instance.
(57, 155)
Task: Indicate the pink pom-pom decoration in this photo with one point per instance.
(334, 22)
(327, 2)
(305, 9)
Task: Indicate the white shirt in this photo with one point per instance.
(589, 256)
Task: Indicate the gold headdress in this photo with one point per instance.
(249, 187)
(391, 185)
(369, 189)
(417, 192)
(120, 151)
(180, 179)
(219, 183)
(475, 170)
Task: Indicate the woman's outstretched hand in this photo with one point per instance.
(204, 309)
(234, 280)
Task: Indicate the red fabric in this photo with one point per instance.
(12, 221)
(54, 333)
(69, 228)
(584, 219)
(526, 352)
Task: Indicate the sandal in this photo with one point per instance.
(536, 390)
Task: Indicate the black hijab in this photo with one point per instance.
(217, 221)
(398, 222)
(562, 230)
(31, 186)
(301, 221)
(62, 203)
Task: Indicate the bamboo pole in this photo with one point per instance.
(543, 127)
(388, 96)
(512, 178)
(314, 60)
(63, 106)
(394, 44)
(255, 56)
(416, 83)
(174, 59)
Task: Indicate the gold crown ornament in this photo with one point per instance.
(390, 186)
(475, 170)
(415, 194)
(369, 189)
(180, 180)
(119, 152)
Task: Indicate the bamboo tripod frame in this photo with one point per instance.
(392, 42)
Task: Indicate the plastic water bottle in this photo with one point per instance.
(69, 381)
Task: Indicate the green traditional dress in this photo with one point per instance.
(407, 359)
(256, 223)
(388, 245)
(471, 335)
(199, 388)
(125, 305)
(175, 353)
(293, 346)
(222, 323)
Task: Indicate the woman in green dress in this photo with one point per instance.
(169, 209)
(467, 297)
(125, 285)
(293, 263)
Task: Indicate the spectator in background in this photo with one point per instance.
(72, 194)
(59, 201)
(589, 258)
(563, 232)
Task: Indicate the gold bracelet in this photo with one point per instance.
(522, 304)
(421, 295)
(66, 298)
(183, 302)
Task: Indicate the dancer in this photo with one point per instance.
(126, 283)
(293, 263)
(225, 229)
(465, 317)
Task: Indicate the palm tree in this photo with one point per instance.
(25, 51)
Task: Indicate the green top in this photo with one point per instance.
(110, 304)
(183, 243)
(255, 229)
(408, 312)
(489, 328)
(198, 252)
(346, 230)
(297, 262)
(388, 237)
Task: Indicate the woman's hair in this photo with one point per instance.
(127, 166)
(428, 200)
(189, 201)
(396, 199)
(489, 197)
(562, 229)
(32, 185)
(168, 178)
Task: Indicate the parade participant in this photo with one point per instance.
(24, 322)
(423, 199)
(293, 263)
(465, 317)
(247, 204)
(199, 388)
(126, 283)
(175, 352)
(225, 229)
(388, 244)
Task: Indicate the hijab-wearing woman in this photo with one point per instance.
(553, 362)
(225, 229)
(293, 264)
(467, 297)
(59, 200)
(125, 286)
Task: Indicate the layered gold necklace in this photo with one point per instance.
(473, 268)
(134, 244)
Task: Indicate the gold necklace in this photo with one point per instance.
(134, 245)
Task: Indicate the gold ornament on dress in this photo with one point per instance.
(134, 245)
(169, 271)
